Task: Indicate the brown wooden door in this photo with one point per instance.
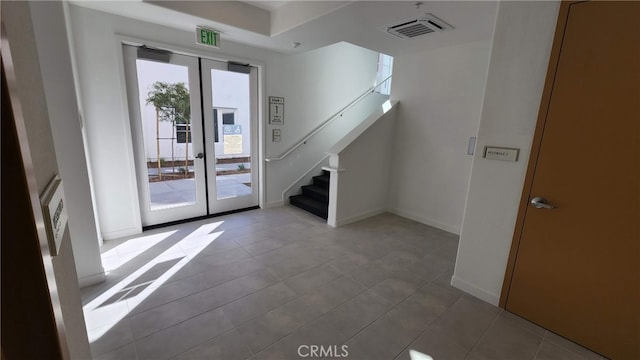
(576, 267)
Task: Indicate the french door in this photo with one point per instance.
(230, 122)
(194, 130)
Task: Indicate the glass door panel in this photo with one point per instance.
(230, 106)
(164, 102)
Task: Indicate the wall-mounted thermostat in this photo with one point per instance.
(276, 110)
(501, 153)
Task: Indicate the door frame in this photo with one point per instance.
(149, 216)
(554, 59)
(216, 205)
(30, 256)
(120, 39)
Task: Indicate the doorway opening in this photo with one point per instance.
(194, 127)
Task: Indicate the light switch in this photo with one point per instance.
(471, 147)
(276, 135)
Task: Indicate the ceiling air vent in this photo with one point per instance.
(423, 25)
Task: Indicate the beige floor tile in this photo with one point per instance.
(258, 303)
(504, 340)
(436, 345)
(570, 345)
(466, 321)
(183, 336)
(277, 279)
(228, 346)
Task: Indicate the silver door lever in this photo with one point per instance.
(541, 203)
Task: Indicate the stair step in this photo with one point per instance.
(316, 192)
(311, 205)
(322, 180)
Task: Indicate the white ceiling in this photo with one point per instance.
(314, 24)
(364, 23)
(267, 5)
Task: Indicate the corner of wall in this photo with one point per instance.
(441, 108)
(509, 114)
(469, 288)
(56, 67)
(90, 280)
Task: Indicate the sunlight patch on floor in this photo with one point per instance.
(417, 355)
(113, 305)
(114, 258)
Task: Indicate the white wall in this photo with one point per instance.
(361, 160)
(235, 13)
(40, 108)
(55, 59)
(98, 55)
(315, 86)
(441, 93)
(302, 79)
(314, 154)
(521, 47)
(294, 13)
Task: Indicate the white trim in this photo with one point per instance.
(274, 204)
(112, 235)
(469, 288)
(359, 217)
(150, 216)
(368, 122)
(123, 39)
(131, 165)
(92, 279)
(262, 143)
(215, 204)
(436, 224)
(218, 55)
(333, 170)
(210, 53)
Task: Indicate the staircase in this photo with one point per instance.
(315, 197)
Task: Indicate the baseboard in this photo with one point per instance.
(436, 224)
(112, 235)
(359, 217)
(274, 204)
(475, 291)
(92, 279)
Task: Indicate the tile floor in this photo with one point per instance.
(258, 284)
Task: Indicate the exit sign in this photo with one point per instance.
(207, 37)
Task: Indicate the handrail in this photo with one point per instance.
(328, 121)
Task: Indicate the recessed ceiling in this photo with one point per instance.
(318, 24)
(364, 23)
(268, 5)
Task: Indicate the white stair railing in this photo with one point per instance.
(328, 121)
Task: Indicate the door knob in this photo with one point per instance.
(541, 203)
(200, 156)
